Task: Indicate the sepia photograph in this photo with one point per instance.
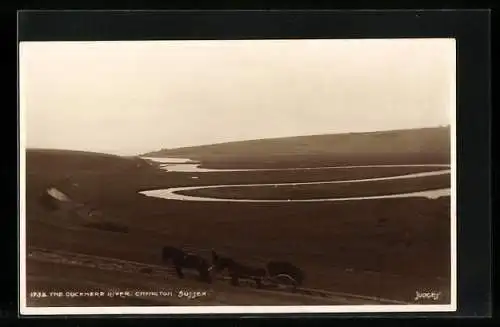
(237, 176)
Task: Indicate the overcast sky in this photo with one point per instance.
(133, 97)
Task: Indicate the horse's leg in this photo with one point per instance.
(208, 275)
(234, 280)
(258, 282)
(164, 261)
(205, 277)
(294, 286)
(202, 275)
(178, 269)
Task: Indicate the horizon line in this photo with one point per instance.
(226, 142)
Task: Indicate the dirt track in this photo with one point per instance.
(147, 284)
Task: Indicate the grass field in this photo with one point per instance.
(390, 248)
(320, 191)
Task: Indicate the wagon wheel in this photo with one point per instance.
(286, 280)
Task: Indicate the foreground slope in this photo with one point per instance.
(368, 249)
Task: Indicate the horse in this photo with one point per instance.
(181, 259)
(286, 269)
(237, 270)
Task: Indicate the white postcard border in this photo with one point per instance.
(188, 310)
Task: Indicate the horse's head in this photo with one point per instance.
(216, 262)
(202, 265)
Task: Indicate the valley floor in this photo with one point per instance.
(388, 248)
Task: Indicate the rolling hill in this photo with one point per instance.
(371, 247)
(415, 145)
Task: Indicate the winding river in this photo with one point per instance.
(187, 165)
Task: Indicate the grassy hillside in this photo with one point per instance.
(325, 191)
(74, 160)
(382, 237)
(58, 166)
(421, 145)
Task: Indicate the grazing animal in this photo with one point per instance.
(181, 259)
(237, 270)
(280, 268)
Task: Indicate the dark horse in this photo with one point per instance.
(237, 270)
(277, 269)
(181, 259)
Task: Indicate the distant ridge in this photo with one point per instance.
(40, 160)
(432, 140)
(70, 152)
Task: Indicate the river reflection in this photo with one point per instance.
(187, 165)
